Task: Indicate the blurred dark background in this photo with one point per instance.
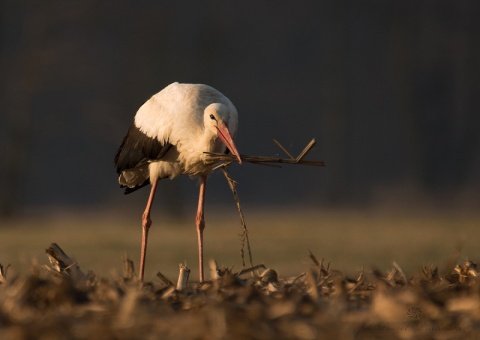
(389, 89)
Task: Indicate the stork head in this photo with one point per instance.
(216, 119)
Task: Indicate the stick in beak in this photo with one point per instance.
(227, 139)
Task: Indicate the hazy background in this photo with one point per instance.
(390, 90)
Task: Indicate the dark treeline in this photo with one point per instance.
(390, 90)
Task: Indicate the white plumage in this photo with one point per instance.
(169, 136)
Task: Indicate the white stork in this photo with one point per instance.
(169, 137)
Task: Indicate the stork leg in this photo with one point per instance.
(146, 223)
(200, 222)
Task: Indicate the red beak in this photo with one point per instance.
(227, 139)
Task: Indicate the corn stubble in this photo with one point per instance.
(60, 301)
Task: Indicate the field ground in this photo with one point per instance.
(280, 239)
(306, 302)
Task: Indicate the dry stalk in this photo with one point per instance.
(321, 270)
(61, 263)
(213, 270)
(128, 268)
(400, 272)
(298, 277)
(165, 279)
(312, 286)
(244, 235)
(317, 264)
(183, 277)
(358, 282)
(251, 269)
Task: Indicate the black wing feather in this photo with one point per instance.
(137, 149)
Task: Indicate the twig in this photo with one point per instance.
(221, 160)
(306, 150)
(283, 149)
(265, 160)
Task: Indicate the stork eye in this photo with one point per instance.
(212, 117)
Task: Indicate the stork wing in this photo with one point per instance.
(138, 149)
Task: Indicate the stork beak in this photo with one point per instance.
(227, 139)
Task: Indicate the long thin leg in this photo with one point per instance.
(146, 223)
(200, 222)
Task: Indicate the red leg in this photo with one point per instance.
(200, 222)
(146, 223)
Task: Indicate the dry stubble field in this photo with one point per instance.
(410, 299)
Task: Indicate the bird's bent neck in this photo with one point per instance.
(210, 142)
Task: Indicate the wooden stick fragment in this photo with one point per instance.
(183, 277)
(214, 270)
(61, 263)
